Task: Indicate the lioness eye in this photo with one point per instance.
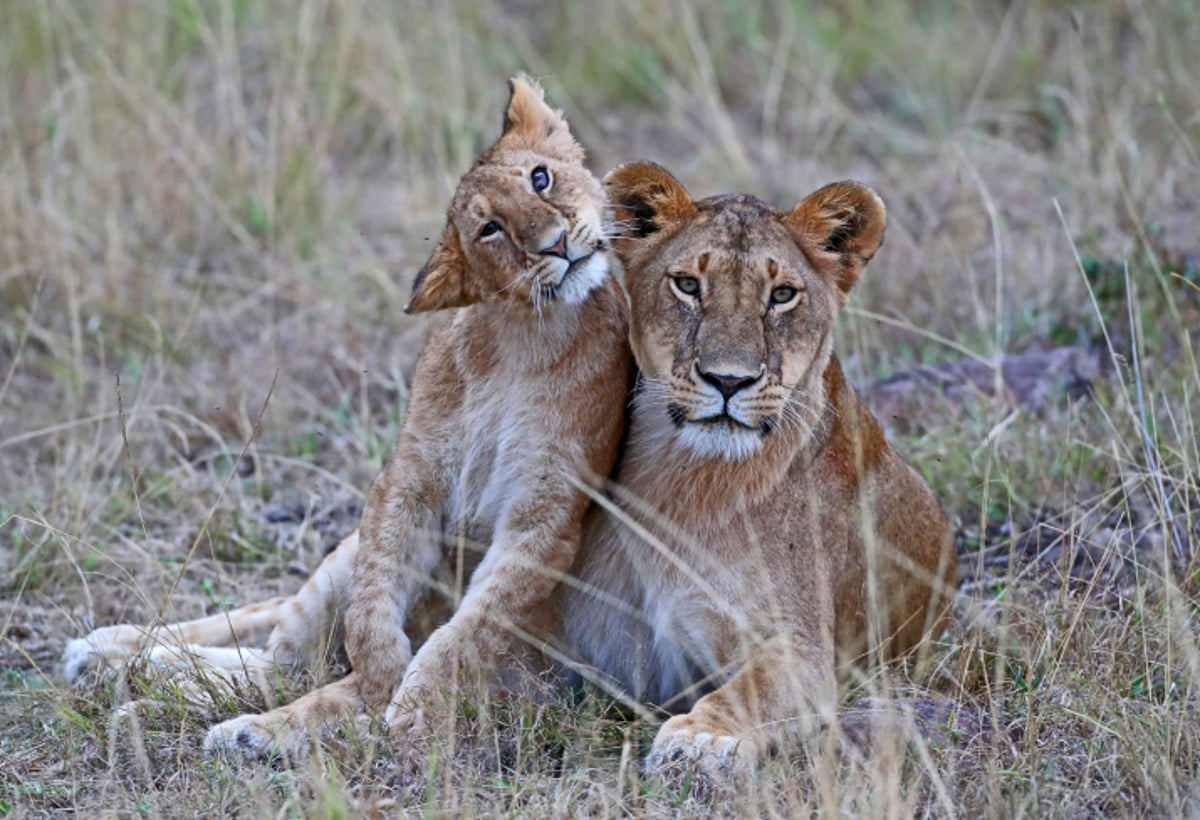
(489, 229)
(540, 178)
(687, 285)
(782, 295)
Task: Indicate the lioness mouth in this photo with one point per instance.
(723, 420)
(679, 418)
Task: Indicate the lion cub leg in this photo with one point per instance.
(532, 550)
(401, 548)
(229, 645)
(288, 730)
(311, 622)
(203, 642)
(785, 690)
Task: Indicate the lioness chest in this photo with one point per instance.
(692, 594)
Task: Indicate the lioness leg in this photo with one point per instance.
(786, 689)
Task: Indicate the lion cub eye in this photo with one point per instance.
(686, 285)
(540, 178)
(782, 295)
(490, 229)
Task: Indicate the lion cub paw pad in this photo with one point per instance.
(248, 736)
(86, 658)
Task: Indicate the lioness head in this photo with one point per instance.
(525, 223)
(734, 302)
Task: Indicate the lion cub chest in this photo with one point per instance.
(498, 437)
(512, 434)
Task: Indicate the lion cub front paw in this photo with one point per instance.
(686, 750)
(254, 737)
(405, 718)
(416, 714)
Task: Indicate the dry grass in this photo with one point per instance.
(209, 215)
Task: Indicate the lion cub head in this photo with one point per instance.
(525, 224)
(734, 303)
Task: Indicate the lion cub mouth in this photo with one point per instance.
(571, 287)
(574, 265)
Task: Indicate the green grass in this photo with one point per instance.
(210, 213)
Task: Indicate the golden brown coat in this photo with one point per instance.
(764, 531)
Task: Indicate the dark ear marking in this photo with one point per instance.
(851, 225)
(839, 228)
(639, 216)
(646, 198)
(419, 279)
(442, 282)
(507, 124)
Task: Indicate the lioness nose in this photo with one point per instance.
(728, 384)
(559, 248)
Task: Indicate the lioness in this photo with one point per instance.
(767, 531)
(517, 405)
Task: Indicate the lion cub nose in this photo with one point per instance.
(728, 384)
(559, 248)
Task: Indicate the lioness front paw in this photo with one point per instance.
(255, 737)
(685, 750)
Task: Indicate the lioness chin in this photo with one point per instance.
(764, 532)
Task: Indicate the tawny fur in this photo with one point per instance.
(764, 532)
(517, 406)
(756, 542)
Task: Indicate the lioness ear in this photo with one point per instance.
(540, 126)
(442, 282)
(646, 198)
(839, 228)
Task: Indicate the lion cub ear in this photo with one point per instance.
(442, 283)
(536, 124)
(839, 228)
(646, 198)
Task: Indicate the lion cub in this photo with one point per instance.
(516, 403)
